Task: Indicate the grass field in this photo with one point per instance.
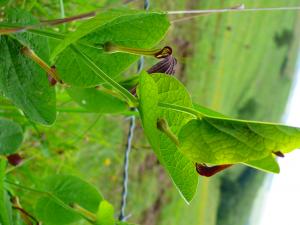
(241, 64)
(236, 65)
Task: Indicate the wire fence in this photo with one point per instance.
(122, 216)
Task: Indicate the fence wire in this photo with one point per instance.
(122, 216)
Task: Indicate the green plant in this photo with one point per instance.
(89, 62)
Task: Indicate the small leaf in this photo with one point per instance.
(105, 214)
(227, 141)
(67, 190)
(96, 100)
(25, 83)
(153, 89)
(11, 136)
(5, 205)
(120, 27)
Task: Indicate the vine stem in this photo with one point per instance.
(182, 109)
(100, 73)
(50, 195)
(62, 9)
(62, 12)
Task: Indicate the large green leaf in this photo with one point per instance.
(5, 205)
(268, 164)
(225, 141)
(11, 136)
(120, 27)
(25, 83)
(96, 100)
(20, 17)
(68, 190)
(105, 214)
(153, 89)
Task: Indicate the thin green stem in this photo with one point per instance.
(50, 195)
(90, 127)
(58, 36)
(163, 126)
(11, 169)
(157, 53)
(47, 33)
(179, 108)
(71, 110)
(78, 209)
(62, 9)
(89, 216)
(31, 54)
(62, 13)
(63, 110)
(100, 73)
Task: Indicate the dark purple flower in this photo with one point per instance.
(279, 154)
(209, 171)
(166, 65)
(14, 159)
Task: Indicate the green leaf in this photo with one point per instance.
(5, 205)
(153, 89)
(105, 214)
(38, 43)
(65, 190)
(96, 100)
(25, 83)
(3, 2)
(268, 164)
(228, 141)
(148, 109)
(11, 136)
(121, 27)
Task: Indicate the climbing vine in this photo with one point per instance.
(188, 139)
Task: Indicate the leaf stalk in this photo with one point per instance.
(133, 102)
(31, 54)
(157, 53)
(182, 109)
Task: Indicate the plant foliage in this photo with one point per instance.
(180, 132)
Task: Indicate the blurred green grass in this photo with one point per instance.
(235, 66)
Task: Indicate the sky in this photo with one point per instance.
(282, 195)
